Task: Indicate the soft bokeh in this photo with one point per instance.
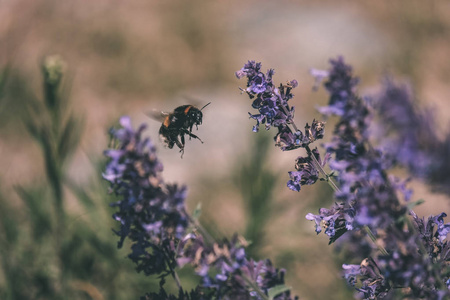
(132, 57)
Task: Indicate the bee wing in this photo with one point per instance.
(157, 115)
(190, 99)
(195, 102)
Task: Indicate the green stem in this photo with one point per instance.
(318, 166)
(374, 240)
(308, 150)
(200, 228)
(175, 277)
(255, 287)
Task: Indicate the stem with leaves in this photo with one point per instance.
(58, 136)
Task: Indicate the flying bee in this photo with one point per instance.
(178, 124)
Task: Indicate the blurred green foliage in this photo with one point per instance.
(256, 182)
(47, 252)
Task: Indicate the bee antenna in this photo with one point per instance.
(205, 105)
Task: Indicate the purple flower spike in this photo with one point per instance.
(274, 111)
(340, 85)
(272, 105)
(151, 213)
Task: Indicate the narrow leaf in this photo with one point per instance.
(279, 289)
(197, 212)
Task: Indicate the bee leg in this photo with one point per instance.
(182, 140)
(180, 144)
(190, 132)
(193, 135)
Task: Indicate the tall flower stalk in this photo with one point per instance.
(58, 133)
(365, 196)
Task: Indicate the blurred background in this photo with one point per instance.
(110, 58)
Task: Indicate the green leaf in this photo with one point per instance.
(415, 203)
(52, 166)
(3, 78)
(8, 220)
(410, 206)
(70, 137)
(40, 214)
(197, 212)
(33, 129)
(84, 198)
(275, 291)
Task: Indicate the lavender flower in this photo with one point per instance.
(359, 167)
(274, 111)
(267, 277)
(405, 131)
(433, 233)
(196, 294)
(306, 173)
(336, 221)
(408, 133)
(273, 107)
(373, 285)
(151, 213)
(341, 85)
(423, 270)
(233, 270)
(367, 198)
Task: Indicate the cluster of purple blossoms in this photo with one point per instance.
(151, 213)
(235, 272)
(307, 172)
(360, 167)
(274, 111)
(365, 196)
(406, 132)
(418, 259)
(196, 294)
(409, 134)
(153, 216)
(368, 198)
(270, 101)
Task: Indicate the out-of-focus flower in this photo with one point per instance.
(422, 270)
(409, 134)
(319, 76)
(368, 198)
(340, 85)
(405, 131)
(359, 168)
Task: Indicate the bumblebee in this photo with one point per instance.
(180, 123)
